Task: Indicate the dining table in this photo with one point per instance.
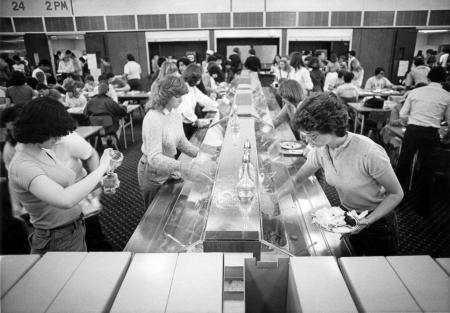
(361, 111)
(383, 93)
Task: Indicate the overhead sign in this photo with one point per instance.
(37, 8)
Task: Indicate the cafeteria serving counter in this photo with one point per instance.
(208, 217)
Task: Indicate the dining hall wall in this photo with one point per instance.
(115, 46)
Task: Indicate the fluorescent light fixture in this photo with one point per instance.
(433, 31)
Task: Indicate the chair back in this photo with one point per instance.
(101, 120)
(347, 100)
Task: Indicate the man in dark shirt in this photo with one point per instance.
(253, 63)
(235, 59)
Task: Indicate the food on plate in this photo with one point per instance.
(291, 145)
(333, 217)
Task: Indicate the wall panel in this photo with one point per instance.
(28, 24)
(183, 20)
(378, 18)
(411, 18)
(248, 19)
(120, 22)
(211, 20)
(440, 17)
(280, 19)
(59, 24)
(5, 25)
(313, 19)
(374, 47)
(345, 18)
(152, 21)
(86, 23)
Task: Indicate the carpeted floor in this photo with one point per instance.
(123, 211)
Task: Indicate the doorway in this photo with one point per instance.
(177, 49)
(337, 47)
(266, 48)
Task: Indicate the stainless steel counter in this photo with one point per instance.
(189, 217)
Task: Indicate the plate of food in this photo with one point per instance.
(291, 145)
(297, 152)
(336, 220)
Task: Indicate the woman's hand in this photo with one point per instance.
(361, 224)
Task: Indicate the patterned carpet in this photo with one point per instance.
(123, 211)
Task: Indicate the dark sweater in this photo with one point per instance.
(104, 105)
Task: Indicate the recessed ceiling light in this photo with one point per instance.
(433, 31)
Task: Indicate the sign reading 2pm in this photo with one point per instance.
(40, 8)
(50, 5)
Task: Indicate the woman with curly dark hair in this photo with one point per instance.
(46, 187)
(162, 135)
(357, 167)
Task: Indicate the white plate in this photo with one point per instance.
(291, 145)
(340, 229)
(293, 152)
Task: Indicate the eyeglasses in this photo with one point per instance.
(311, 136)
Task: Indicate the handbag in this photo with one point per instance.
(374, 103)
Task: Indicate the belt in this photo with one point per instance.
(73, 223)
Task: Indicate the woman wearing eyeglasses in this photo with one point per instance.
(357, 167)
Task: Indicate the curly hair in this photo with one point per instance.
(323, 113)
(41, 119)
(165, 89)
(192, 74)
(291, 90)
(17, 79)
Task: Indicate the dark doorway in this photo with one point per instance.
(266, 48)
(177, 49)
(338, 47)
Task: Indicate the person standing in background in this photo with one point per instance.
(84, 67)
(317, 76)
(235, 59)
(423, 111)
(300, 73)
(65, 67)
(43, 66)
(105, 66)
(154, 64)
(132, 72)
(253, 63)
(418, 73)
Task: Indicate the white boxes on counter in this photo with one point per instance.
(94, 284)
(425, 280)
(316, 284)
(37, 289)
(13, 268)
(147, 284)
(120, 282)
(375, 286)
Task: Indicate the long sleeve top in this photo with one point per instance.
(302, 76)
(162, 135)
(189, 101)
(102, 104)
(285, 115)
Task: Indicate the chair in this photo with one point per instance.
(347, 100)
(441, 164)
(106, 121)
(375, 122)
